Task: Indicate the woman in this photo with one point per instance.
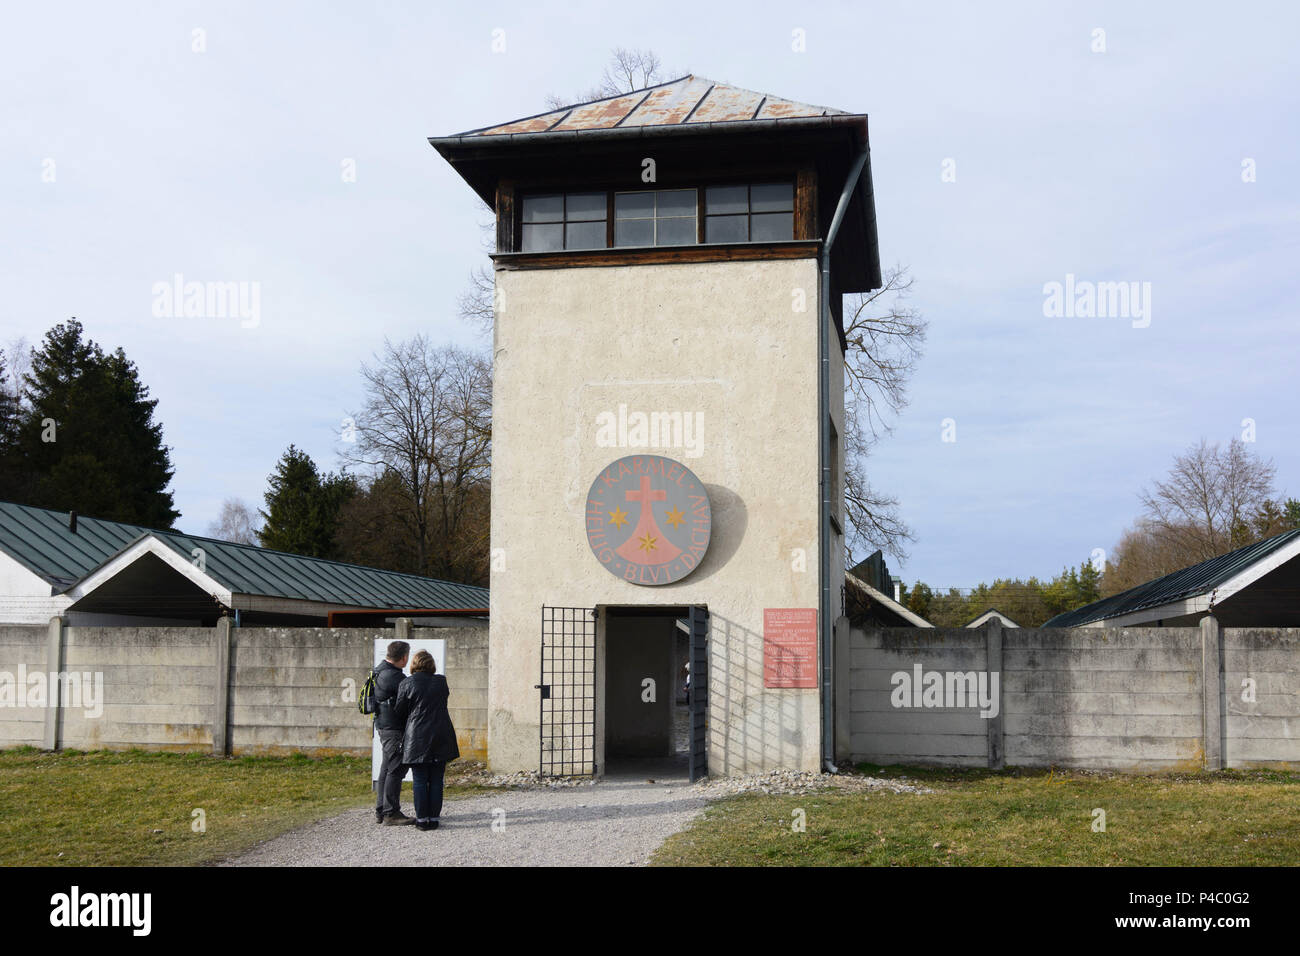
(430, 739)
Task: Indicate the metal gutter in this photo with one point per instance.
(504, 140)
(827, 626)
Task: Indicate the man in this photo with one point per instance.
(388, 788)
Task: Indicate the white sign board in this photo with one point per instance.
(438, 648)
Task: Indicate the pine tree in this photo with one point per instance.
(302, 507)
(1088, 586)
(87, 437)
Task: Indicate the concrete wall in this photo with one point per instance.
(159, 688)
(717, 338)
(883, 734)
(287, 689)
(284, 690)
(1265, 731)
(1125, 699)
(467, 675)
(22, 648)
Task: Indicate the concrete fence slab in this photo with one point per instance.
(223, 689)
(1115, 698)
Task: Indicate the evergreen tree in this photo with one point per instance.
(302, 508)
(1088, 588)
(87, 437)
(920, 599)
(1292, 511)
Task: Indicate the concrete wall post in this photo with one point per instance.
(1211, 697)
(53, 701)
(843, 690)
(221, 688)
(993, 658)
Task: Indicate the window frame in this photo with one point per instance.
(655, 218)
(749, 213)
(564, 221)
(700, 185)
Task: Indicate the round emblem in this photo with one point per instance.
(648, 519)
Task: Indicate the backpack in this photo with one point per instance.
(366, 702)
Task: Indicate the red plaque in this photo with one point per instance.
(790, 647)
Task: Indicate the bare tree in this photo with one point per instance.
(235, 522)
(477, 303)
(17, 365)
(884, 336)
(626, 72)
(426, 419)
(1206, 504)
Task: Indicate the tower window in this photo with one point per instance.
(556, 221)
(759, 212)
(655, 217)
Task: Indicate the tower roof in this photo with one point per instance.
(692, 123)
(686, 101)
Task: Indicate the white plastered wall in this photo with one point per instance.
(721, 339)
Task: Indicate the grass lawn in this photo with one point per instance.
(136, 808)
(1009, 818)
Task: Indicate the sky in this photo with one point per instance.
(1013, 144)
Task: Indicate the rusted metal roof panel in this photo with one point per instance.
(670, 104)
(688, 101)
(602, 114)
(777, 108)
(533, 124)
(727, 104)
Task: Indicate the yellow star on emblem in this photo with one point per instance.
(674, 517)
(648, 543)
(618, 517)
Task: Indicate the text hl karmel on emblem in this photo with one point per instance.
(648, 519)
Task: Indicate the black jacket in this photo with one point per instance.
(422, 704)
(387, 680)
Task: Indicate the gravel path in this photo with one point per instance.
(616, 822)
(619, 820)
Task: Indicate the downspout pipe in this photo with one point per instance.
(826, 624)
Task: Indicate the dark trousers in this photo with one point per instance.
(428, 788)
(388, 788)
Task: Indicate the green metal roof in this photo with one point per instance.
(1189, 582)
(39, 540)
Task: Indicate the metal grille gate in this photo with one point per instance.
(568, 687)
(697, 623)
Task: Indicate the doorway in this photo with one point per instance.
(647, 718)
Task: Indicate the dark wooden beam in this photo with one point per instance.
(505, 215)
(734, 252)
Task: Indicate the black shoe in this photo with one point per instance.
(426, 824)
(379, 815)
(398, 819)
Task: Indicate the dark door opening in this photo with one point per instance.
(648, 716)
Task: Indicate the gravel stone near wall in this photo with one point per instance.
(794, 781)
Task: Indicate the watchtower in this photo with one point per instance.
(668, 424)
